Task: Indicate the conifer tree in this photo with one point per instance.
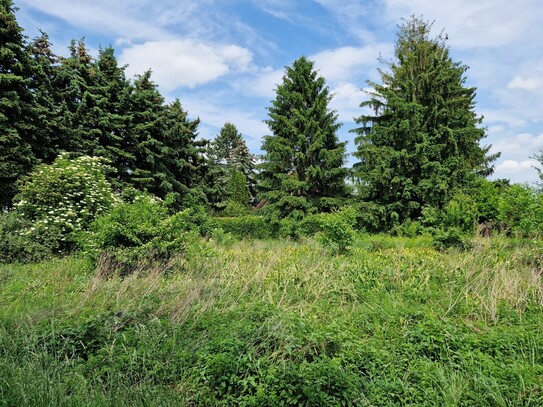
(17, 139)
(228, 152)
(302, 169)
(422, 141)
(49, 127)
(183, 160)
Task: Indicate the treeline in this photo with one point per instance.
(418, 142)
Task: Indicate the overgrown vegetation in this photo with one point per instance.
(140, 265)
(279, 323)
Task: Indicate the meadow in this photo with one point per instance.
(392, 321)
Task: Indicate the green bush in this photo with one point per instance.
(141, 233)
(520, 211)
(63, 198)
(452, 238)
(17, 246)
(337, 233)
(246, 227)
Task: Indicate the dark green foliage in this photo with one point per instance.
(422, 142)
(302, 166)
(181, 164)
(17, 138)
(239, 193)
(167, 157)
(49, 128)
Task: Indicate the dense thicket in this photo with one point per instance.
(302, 169)
(421, 141)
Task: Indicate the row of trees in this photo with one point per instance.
(84, 105)
(418, 147)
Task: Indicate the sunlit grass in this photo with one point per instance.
(392, 322)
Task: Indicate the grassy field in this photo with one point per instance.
(393, 322)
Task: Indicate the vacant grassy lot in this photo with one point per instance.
(393, 322)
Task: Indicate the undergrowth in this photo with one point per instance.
(391, 322)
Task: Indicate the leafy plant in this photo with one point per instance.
(337, 232)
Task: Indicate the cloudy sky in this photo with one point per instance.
(223, 58)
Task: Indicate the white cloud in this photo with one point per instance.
(520, 147)
(185, 62)
(263, 84)
(531, 83)
(470, 23)
(342, 64)
(346, 101)
(119, 18)
(214, 112)
(512, 166)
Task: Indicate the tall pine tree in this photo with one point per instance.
(17, 138)
(422, 141)
(47, 126)
(302, 169)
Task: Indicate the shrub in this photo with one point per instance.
(17, 246)
(337, 230)
(141, 233)
(452, 238)
(246, 227)
(63, 198)
(520, 211)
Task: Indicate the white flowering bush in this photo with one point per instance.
(63, 198)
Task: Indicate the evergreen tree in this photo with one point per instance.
(48, 126)
(107, 101)
(72, 82)
(302, 169)
(183, 160)
(166, 156)
(146, 128)
(422, 142)
(17, 139)
(228, 152)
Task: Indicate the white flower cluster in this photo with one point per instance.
(66, 195)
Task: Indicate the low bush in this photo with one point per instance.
(452, 238)
(337, 233)
(246, 227)
(16, 245)
(141, 233)
(61, 199)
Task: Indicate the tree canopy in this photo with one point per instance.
(302, 169)
(421, 139)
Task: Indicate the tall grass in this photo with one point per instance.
(393, 322)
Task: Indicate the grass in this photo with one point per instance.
(393, 322)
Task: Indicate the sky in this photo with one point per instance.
(224, 58)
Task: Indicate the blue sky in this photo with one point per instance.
(223, 58)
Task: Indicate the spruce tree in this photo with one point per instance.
(302, 169)
(183, 160)
(49, 128)
(422, 141)
(146, 127)
(228, 152)
(17, 138)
